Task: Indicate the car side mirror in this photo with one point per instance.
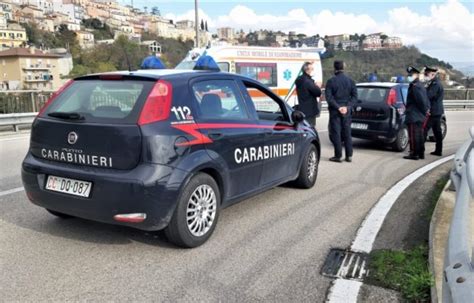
(297, 117)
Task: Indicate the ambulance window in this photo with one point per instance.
(265, 73)
(219, 100)
(223, 66)
(267, 107)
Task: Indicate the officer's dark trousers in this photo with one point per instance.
(339, 132)
(312, 121)
(434, 122)
(417, 139)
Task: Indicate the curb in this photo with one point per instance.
(441, 206)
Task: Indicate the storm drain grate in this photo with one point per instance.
(345, 264)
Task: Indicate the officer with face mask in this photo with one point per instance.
(435, 93)
(417, 110)
(308, 93)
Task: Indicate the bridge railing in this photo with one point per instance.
(458, 282)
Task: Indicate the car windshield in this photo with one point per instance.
(372, 94)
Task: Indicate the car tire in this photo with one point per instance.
(59, 215)
(309, 169)
(401, 141)
(196, 214)
(444, 131)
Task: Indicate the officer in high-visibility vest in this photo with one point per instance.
(416, 114)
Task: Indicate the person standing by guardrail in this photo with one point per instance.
(417, 111)
(435, 93)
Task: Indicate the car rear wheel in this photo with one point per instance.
(196, 214)
(401, 142)
(59, 215)
(444, 131)
(309, 169)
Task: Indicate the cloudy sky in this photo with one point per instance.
(444, 29)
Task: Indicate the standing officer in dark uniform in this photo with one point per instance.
(435, 92)
(308, 92)
(417, 110)
(341, 94)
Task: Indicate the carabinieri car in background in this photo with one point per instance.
(379, 114)
(164, 149)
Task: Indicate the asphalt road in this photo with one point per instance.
(267, 248)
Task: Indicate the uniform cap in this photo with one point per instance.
(430, 69)
(412, 70)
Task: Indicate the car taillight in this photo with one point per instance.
(54, 96)
(158, 103)
(392, 97)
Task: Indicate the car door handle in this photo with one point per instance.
(215, 136)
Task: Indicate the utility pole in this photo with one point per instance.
(196, 22)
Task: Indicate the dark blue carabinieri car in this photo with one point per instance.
(164, 149)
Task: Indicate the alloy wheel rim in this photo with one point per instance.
(312, 165)
(201, 210)
(404, 140)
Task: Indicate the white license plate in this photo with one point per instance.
(69, 186)
(359, 126)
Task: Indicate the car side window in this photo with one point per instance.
(219, 100)
(267, 107)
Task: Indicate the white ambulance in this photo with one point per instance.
(276, 67)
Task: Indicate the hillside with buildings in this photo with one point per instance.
(43, 42)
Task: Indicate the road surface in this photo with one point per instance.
(267, 248)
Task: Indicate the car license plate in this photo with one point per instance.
(69, 186)
(359, 126)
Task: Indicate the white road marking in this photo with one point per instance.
(344, 291)
(373, 222)
(11, 191)
(347, 290)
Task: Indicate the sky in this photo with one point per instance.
(443, 29)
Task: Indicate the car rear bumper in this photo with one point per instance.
(150, 189)
(377, 131)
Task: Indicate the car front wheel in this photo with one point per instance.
(196, 214)
(309, 169)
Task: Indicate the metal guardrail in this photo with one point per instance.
(17, 119)
(458, 282)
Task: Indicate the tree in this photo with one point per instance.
(383, 37)
(205, 25)
(145, 8)
(202, 24)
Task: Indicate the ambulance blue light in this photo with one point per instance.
(152, 62)
(206, 62)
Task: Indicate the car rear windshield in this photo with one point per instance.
(372, 94)
(109, 101)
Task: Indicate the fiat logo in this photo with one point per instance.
(72, 138)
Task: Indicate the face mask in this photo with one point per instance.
(410, 78)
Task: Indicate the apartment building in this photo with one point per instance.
(12, 36)
(29, 68)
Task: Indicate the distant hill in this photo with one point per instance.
(387, 63)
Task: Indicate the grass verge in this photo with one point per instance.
(404, 271)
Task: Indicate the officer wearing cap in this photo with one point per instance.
(308, 93)
(417, 110)
(435, 92)
(341, 94)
